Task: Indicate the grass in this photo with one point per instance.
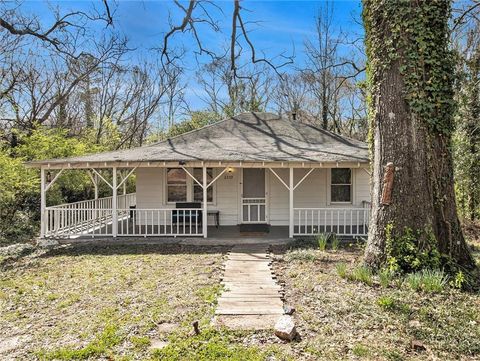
(361, 274)
(341, 318)
(105, 302)
(307, 255)
(322, 240)
(430, 281)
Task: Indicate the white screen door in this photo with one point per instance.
(253, 196)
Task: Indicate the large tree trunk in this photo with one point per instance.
(404, 133)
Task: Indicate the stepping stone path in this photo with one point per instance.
(251, 298)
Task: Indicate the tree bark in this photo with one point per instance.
(422, 196)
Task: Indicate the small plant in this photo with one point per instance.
(458, 281)
(362, 274)
(341, 269)
(335, 241)
(431, 281)
(385, 276)
(322, 240)
(360, 350)
(140, 342)
(388, 303)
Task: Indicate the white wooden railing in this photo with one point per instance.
(254, 210)
(160, 222)
(93, 217)
(341, 221)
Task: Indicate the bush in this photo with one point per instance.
(410, 251)
(302, 243)
(431, 281)
(388, 303)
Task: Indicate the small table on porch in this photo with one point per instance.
(216, 215)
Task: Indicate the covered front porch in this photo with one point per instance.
(280, 196)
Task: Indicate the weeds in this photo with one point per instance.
(335, 242)
(301, 255)
(341, 269)
(430, 281)
(385, 276)
(362, 274)
(322, 240)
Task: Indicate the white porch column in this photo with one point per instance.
(95, 184)
(114, 203)
(43, 203)
(205, 214)
(290, 204)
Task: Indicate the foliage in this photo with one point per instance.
(341, 269)
(98, 347)
(416, 40)
(198, 119)
(385, 277)
(208, 345)
(322, 240)
(409, 252)
(430, 281)
(302, 243)
(362, 274)
(20, 193)
(389, 303)
(335, 241)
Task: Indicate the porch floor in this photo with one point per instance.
(223, 235)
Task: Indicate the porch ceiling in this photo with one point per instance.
(247, 140)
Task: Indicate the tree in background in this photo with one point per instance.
(410, 80)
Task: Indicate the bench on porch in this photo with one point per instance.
(192, 217)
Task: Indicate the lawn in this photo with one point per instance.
(113, 302)
(93, 302)
(340, 318)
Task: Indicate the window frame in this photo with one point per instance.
(190, 186)
(351, 184)
(175, 184)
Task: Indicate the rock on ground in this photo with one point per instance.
(285, 328)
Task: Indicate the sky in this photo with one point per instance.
(277, 26)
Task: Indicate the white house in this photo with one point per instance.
(256, 172)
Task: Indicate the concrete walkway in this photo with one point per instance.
(251, 298)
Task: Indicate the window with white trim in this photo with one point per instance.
(341, 185)
(197, 190)
(176, 185)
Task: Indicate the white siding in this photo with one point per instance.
(312, 193)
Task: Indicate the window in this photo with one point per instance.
(197, 190)
(341, 185)
(176, 185)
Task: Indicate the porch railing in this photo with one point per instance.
(341, 221)
(85, 217)
(160, 222)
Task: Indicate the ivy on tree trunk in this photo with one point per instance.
(410, 78)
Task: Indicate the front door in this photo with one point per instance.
(253, 196)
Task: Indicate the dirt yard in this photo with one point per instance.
(138, 302)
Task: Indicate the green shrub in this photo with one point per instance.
(140, 342)
(322, 240)
(410, 251)
(341, 269)
(431, 281)
(362, 274)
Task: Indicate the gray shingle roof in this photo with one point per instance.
(263, 137)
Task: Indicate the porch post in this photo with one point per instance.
(290, 204)
(95, 184)
(42, 203)
(205, 214)
(114, 203)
